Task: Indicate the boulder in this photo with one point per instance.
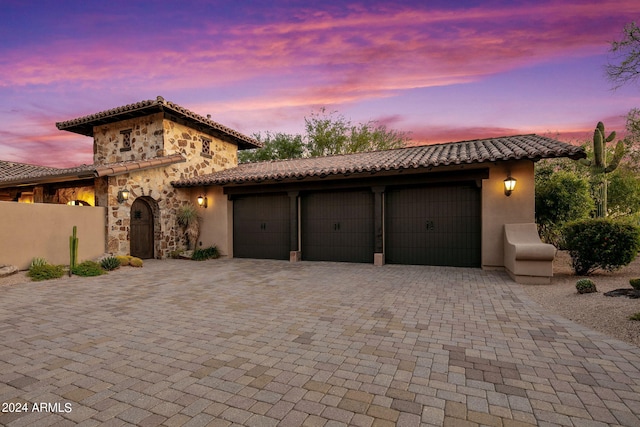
(624, 292)
(7, 270)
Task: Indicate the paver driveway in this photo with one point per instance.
(263, 343)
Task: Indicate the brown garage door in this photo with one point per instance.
(338, 226)
(261, 227)
(433, 225)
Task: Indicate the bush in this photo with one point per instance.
(175, 254)
(635, 284)
(38, 262)
(45, 272)
(110, 263)
(585, 286)
(203, 254)
(123, 259)
(561, 197)
(601, 244)
(88, 269)
(635, 316)
(135, 262)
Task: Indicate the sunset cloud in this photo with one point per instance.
(260, 67)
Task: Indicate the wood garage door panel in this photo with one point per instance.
(261, 227)
(433, 226)
(338, 226)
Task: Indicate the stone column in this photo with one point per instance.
(378, 224)
(295, 254)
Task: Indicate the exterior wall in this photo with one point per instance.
(146, 140)
(215, 219)
(43, 230)
(155, 184)
(498, 209)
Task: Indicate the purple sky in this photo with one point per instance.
(444, 73)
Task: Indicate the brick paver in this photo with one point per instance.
(266, 343)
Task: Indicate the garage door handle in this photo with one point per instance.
(263, 226)
(429, 225)
(336, 226)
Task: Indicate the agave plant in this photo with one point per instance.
(187, 216)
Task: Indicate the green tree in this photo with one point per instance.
(624, 193)
(332, 133)
(275, 146)
(626, 68)
(561, 196)
(325, 134)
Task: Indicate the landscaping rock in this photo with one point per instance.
(624, 292)
(7, 270)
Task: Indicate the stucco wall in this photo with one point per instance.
(498, 209)
(43, 230)
(215, 219)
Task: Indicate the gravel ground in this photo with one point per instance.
(609, 315)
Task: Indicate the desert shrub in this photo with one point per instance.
(561, 196)
(175, 254)
(601, 243)
(110, 263)
(87, 269)
(135, 262)
(38, 262)
(207, 253)
(585, 286)
(635, 283)
(635, 316)
(45, 272)
(123, 259)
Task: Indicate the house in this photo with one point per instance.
(138, 149)
(443, 204)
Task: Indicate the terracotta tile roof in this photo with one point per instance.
(43, 174)
(84, 125)
(10, 170)
(454, 153)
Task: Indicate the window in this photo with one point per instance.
(206, 147)
(126, 140)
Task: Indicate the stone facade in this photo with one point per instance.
(154, 136)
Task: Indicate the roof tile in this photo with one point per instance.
(454, 153)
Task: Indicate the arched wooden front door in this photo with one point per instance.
(141, 236)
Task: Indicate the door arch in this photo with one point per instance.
(141, 234)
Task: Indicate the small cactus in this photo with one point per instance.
(135, 262)
(123, 259)
(635, 284)
(73, 250)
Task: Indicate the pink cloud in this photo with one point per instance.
(362, 55)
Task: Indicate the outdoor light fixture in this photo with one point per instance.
(202, 201)
(509, 185)
(123, 195)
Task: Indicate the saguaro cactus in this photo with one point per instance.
(73, 250)
(599, 166)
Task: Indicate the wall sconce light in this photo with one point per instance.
(202, 201)
(509, 185)
(123, 196)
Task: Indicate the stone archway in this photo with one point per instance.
(143, 225)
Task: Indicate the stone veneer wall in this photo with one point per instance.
(155, 184)
(147, 140)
